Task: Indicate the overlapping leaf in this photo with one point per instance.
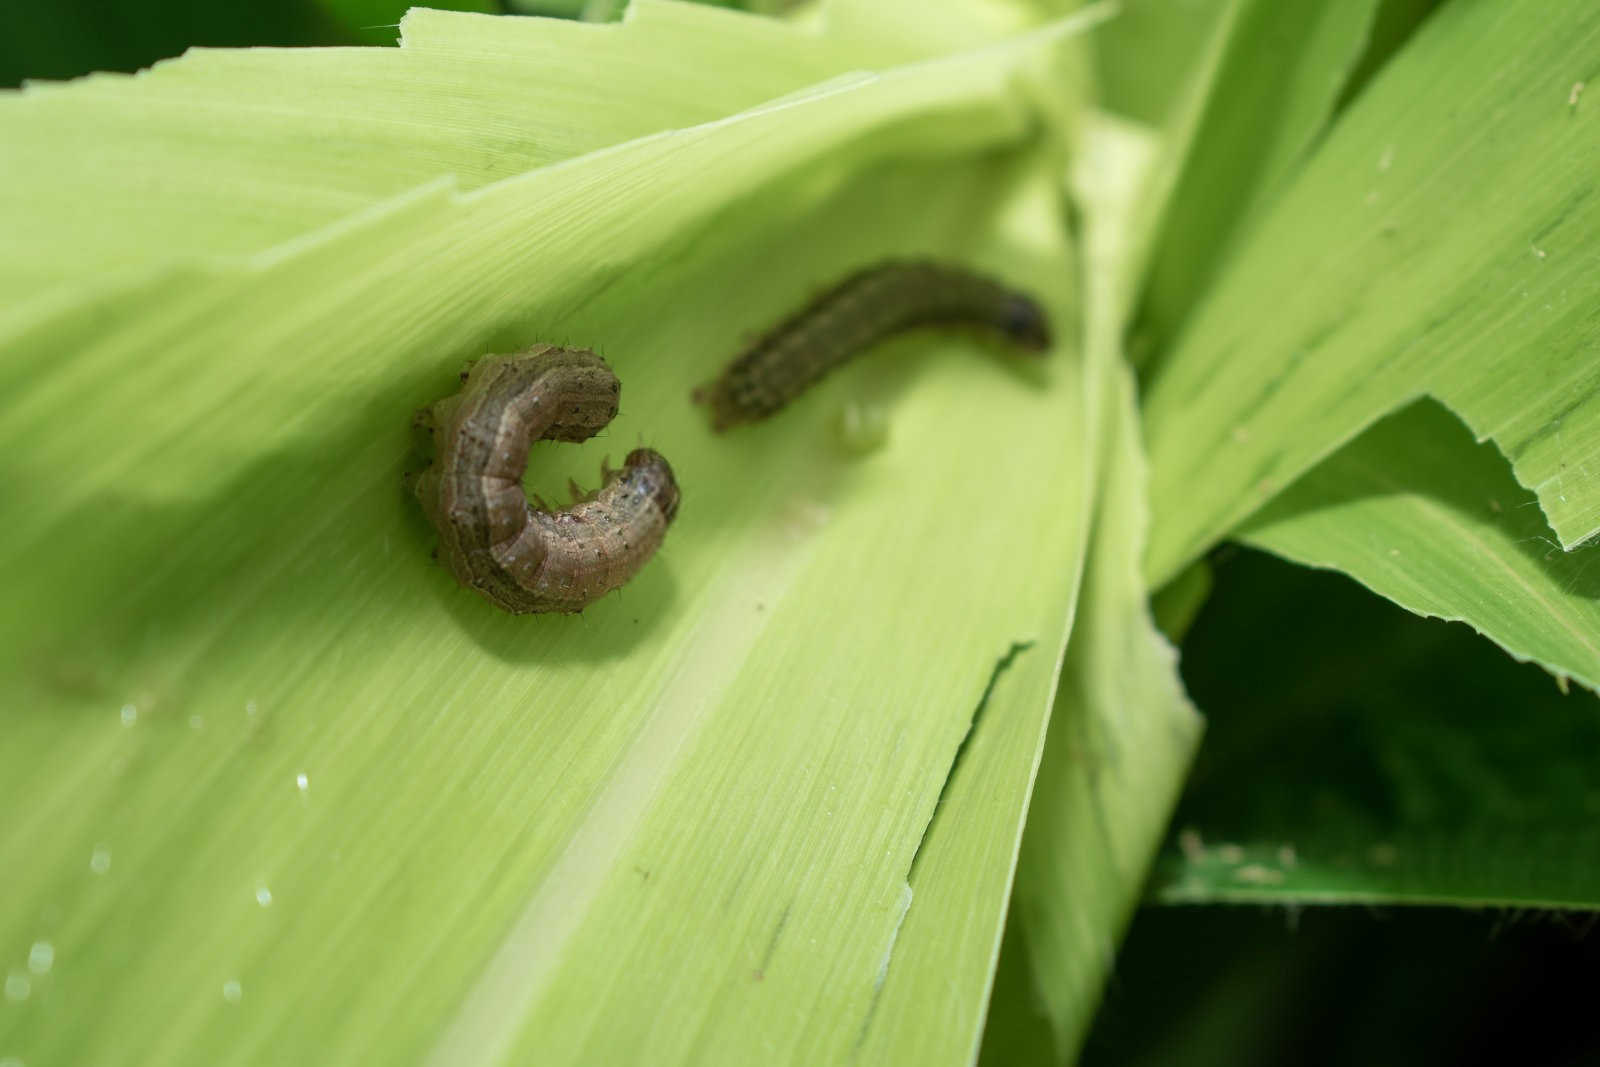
(289, 788)
(1420, 513)
(1279, 75)
(230, 152)
(1122, 732)
(1441, 241)
(1389, 759)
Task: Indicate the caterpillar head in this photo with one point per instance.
(1024, 323)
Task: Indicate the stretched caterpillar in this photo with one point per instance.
(853, 316)
(526, 558)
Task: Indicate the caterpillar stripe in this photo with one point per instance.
(521, 557)
(853, 316)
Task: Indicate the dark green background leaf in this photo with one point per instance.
(1357, 753)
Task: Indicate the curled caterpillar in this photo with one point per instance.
(853, 316)
(521, 557)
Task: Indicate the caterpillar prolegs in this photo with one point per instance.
(521, 557)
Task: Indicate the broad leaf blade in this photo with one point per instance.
(1419, 512)
(1441, 241)
(938, 968)
(231, 152)
(1283, 70)
(359, 814)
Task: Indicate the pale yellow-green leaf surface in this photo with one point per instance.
(233, 151)
(1122, 732)
(282, 791)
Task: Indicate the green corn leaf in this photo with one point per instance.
(870, 763)
(1122, 732)
(1419, 512)
(293, 794)
(1157, 58)
(1440, 242)
(1389, 759)
(233, 152)
(62, 40)
(1392, 26)
(379, 21)
(1282, 71)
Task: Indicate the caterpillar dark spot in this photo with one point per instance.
(521, 557)
(853, 316)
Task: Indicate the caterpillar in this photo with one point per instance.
(521, 557)
(853, 316)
